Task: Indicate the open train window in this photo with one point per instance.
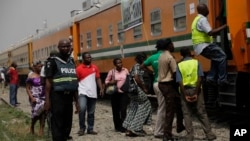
(120, 34)
(137, 32)
(155, 21)
(89, 41)
(99, 37)
(179, 16)
(111, 40)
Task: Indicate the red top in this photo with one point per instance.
(87, 76)
(13, 76)
(83, 71)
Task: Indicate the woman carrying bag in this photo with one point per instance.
(119, 99)
(139, 109)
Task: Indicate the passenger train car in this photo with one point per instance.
(122, 28)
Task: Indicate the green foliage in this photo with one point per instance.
(15, 125)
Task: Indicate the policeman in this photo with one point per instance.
(61, 90)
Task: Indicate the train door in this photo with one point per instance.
(219, 14)
(235, 40)
(213, 95)
(221, 19)
(235, 43)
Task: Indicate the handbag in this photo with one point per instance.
(111, 89)
(129, 85)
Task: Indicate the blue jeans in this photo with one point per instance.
(13, 93)
(218, 62)
(86, 103)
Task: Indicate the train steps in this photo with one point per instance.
(227, 94)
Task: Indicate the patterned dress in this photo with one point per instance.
(139, 111)
(38, 92)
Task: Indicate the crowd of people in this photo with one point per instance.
(53, 88)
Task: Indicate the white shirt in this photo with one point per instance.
(42, 72)
(2, 76)
(87, 86)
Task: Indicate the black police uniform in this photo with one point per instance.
(63, 88)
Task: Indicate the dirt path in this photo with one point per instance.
(104, 124)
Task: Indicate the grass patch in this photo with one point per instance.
(15, 125)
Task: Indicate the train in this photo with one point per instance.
(122, 28)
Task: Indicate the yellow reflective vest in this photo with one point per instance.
(189, 72)
(199, 36)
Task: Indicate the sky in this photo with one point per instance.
(20, 18)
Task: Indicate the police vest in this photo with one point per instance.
(65, 78)
(199, 36)
(189, 72)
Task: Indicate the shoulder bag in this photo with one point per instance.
(111, 89)
(130, 85)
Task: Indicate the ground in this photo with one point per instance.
(104, 123)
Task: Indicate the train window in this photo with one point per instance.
(34, 55)
(26, 59)
(99, 42)
(99, 37)
(120, 34)
(111, 40)
(42, 53)
(47, 52)
(180, 16)
(81, 40)
(50, 48)
(89, 41)
(39, 54)
(22, 59)
(203, 1)
(81, 37)
(110, 29)
(54, 47)
(81, 44)
(155, 19)
(138, 32)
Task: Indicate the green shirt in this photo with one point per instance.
(153, 61)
